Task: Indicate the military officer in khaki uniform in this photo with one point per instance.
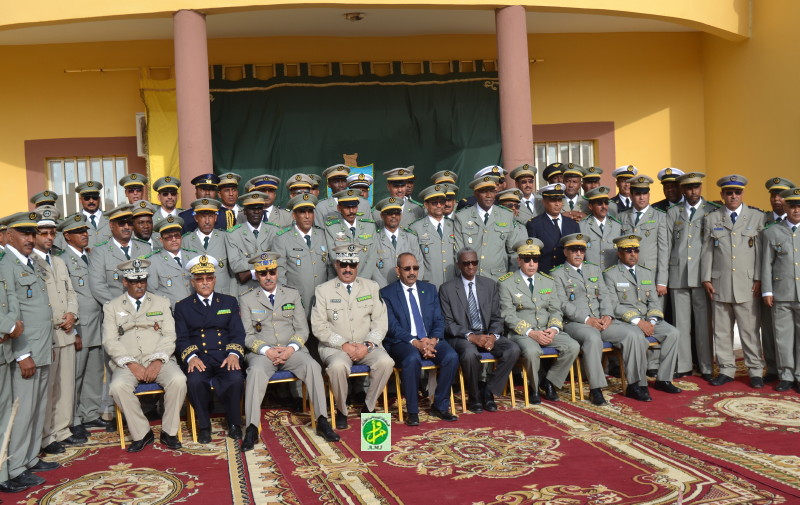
(245, 240)
(636, 303)
(649, 223)
(167, 275)
(591, 180)
(672, 190)
(600, 229)
(780, 287)
(297, 184)
(524, 177)
(166, 189)
(731, 274)
(533, 317)
(135, 186)
(397, 181)
(276, 333)
(393, 239)
(139, 337)
(623, 177)
(228, 196)
(436, 238)
(268, 185)
(208, 240)
(488, 229)
(447, 180)
(303, 251)
(575, 206)
(90, 201)
(143, 225)
(327, 208)
(350, 321)
(510, 199)
(64, 305)
(681, 261)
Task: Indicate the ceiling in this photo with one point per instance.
(331, 22)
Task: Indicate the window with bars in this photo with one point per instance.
(65, 173)
(580, 152)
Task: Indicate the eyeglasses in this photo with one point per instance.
(124, 222)
(136, 281)
(729, 192)
(168, 193)
(436, 203)
(409, 268)
(513, 206)
(348, 264)
(630, 250)
(264, 273)
(528, 259)
(600, 202)
(577, 248)
(90, 197)
(473, 263)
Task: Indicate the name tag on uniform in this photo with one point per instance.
(503, 225)
(287, 306)
(223, 311)
(545, 291)
(362, 298)
(593, 279)
(80, 282)
(336, 300)
(623, 284)
(646, 282)
(258, 311)
(298, 249)
(157, 313)
(719, 228)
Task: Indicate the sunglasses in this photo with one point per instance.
(729, 192)
(410, 268)
(528, 259)
(90, 197)
(348, 264)
(136, 281)
(168, 193)
(264, 273)
(436, 203)
(600, 202)
(470, 263)
(513, 206)
(124, 222)
(631, 250)
(577, 248)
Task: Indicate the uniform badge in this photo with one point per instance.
(80, 282)
(169, 283)
(258, 325)
(469, 240)
(335, 315)
(120, 331)
(297, 262)
(425, 250)
(116, 276)
(572, 297)
(380, 264)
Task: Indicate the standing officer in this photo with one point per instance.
(228, 195)
(525, 179)
(550, 226)
(672, 190)
(44, 198)
(268, 185)
(436, 237)
(11, 327)
(89, 356)
(649, 223)
(168, 275)
(299, 183)
(393, 239)
(600, 229)
(277, 330)
(139, 337)
(32, 350)
(574, 207)
(636, 303)
(495, 171)
(336, 175)
(532, 314)
(143, 225)
(510, 199)
(303, 251)
(210, 343)
(349, 319)
(210, 241)
(729, 270)
(780, 288)
(681, 261)
(590, 181)
(623, 175)
(316, 181)
(488, 229)
(397, 180)
(205, 186)
(244, 241)
(167, 190)
(134, 185)
(361, 182)
(447, 180)
(90, 201)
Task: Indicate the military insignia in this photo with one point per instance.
(362, 298)
(603, 189)
(77, 218)
(469, 223)
(350, 192)
(733, 178)
(340, 235)
(401, 172)
(157, 313)
(305, 196)
(287, 306)
(204, 201)
(46, 193)
(495, 170)
(590, 170)
(223, 311)
(579, 236)
(392, 200)
(335, 315)
(46, 213)
(751, 242)
(90, 184)
(640, 179)
(571, 165)
(630, 168)
(517, 192)
(133, 177)
(169, 283)
(797, 191)
(668, 171)
(593, 279)
(361, 177)
(352, 248)
(137, 263)
(221, 264)
(258, 325)
(120, 331)
(558, 187)
(32, 215)
(170, 219)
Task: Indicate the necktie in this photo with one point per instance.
(138, 304)
(530, 284)
(206, 302)
(205, 242)
(778, 219)
(394, 241)
(633, 273)
(349, 288)
(266, 215)
(178, 261)
(126, 249)
(601, 228)
(85, 258)
(439, 230)
(255, 233)
(691, 213)
(571, 205)
(580, 272)
(272, 299)
(794, 228)
(528, 204)
(733, 217)
(474, 313)
(47, 259)
(486, 218)
(415, 313)
(308, 240)
(353, 231)
(30, 264)
(638, 215)
(555, 223)
(94, 223)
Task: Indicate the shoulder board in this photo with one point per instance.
(414, 202)
(715, 204)
(759, 210)
(555, 268)
(659, 209)
(464, 208)
(281, 232)
(141, 241)
(187, 233)
(545, 275)
(57, 253)
(502, 207)
(588, 217)
(614, 219)
(505, 276)
(418, 220)
(152, 253)
(642, 266)
(188, 250)
(234, 228)
(270, 223)
(366, 220)
(590, 263)
(101, 243)
(769, 224)
(609, 268)
(332, 221)
(675, 205)
(409, 230)
(464, 200)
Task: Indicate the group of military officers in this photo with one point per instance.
(158, 294)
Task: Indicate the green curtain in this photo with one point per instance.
(286, 125)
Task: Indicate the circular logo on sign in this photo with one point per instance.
(375, 431)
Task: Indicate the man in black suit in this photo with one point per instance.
(205, 186)
(473, 324)
(623, 176)
(550, 226)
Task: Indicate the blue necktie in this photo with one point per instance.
(733, 217)
(272, 299)
(421, 333)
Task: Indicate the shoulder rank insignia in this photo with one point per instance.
(505, 276)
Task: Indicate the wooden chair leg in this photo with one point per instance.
(463, 395)
(513, 393)
(525, 386)
(399, 395)
(192, 420)
(622, 376)
(333, 406)
(385, 399)
(572, 381)
(577, 364)
(119, 426)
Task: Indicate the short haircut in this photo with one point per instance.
(463, 251)
(402, 255)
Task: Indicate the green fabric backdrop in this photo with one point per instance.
(287, 125)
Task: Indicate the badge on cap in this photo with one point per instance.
(558, 187)
(361, 177)
(486, 179)
(204, 201)
(579, 236)
(170, 219)
(401, 172)
(137, 263)
(133, 177)
(142, 204)
(77, 218)
(167, 179)
(352, 248)
(392, 199)
(32, 215)
(640, 179)
(590, 169)
(46, 213)
(437, 187)
(90, 183)
(305, 196)
(733, 178)
(298, 177)
(529, 241)
(495, 170)
(602, 189)
(447, 173)
(797, 191)
(46, 193)
(668, 171)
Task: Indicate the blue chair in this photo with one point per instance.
(356, 371)
(486, 357)
(548, 353)
(609, 348)
(149, 388)
(426, 365)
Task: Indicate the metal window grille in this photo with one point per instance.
(66, 173)
(580, 152)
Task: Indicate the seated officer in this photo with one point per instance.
(210, 343)
(636, 302)
(277, 331)
(139, 338)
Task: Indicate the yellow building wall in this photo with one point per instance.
(650, 85)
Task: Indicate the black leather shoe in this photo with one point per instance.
(204, 436)
(635, 392)
(235, 432)
(341, 421)
(138, 445)
(79, 431)
(44, 466)
(681, 375)
(548, 390)
(667, 387)
(250, 437)
(771, 377)
(707, 376)
(534, 398)
(756, 382)
(720, 379)
(100, 423)
(783, 386)
(445, 415)
(412, 419)
(475, 407)
(28, 479)
(489, 404)
(645, 392)
(325, 431)
(652, 372)
(74, 440)
(10, 486)
(170, 441)
(797, 386)
(596, 397)
(53, 448)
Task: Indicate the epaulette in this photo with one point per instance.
(415, 202)
(659, 209)
(270, 223)
(609, 268)
(101, 243)
(234, 228)
(333, 221)
(642, 266)
(281, 232)
(57, 253)
(590, 263)
(614, 219)
(715, 204)
(367, 220)
(462, 209)
(418, 220)
(545, 275)
(188, 250)
(409, 230)
(769, 224)
(187, 233)
(760, 210)
(152, 253)
(506, 276)
(556, 268)
(141, 241)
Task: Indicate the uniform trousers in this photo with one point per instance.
(786, 318)
(89, 369)
(26, 432)
(409, 360)
(61, 395)
(171, 378)
(259, 371)
(624, 336)
(746, 316)
(668, 336)
(469, 355)
(228, 385)
(531, 350)
(5, 410)
(692, 301)
(768, 339)
(337, 365)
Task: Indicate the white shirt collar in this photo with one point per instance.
(267, 293)
(97, 214)
(526, 277)
(436, 223)
(603, 222)
(19, 255)
(738, 211)
(573, 266)
(482, 212)
(302, 233)
(643, 211)
(210, 298)
(120, 245)
(165, 214)
(77, 252)
(690, 207)
(251, 227)
(389, 234)
(39, 253)
(203, 235)
(133, 300)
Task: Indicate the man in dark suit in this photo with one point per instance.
(550, 226)
(623, 176)
(210, 345)
(205, 186)
(473, 324)
(416, 333)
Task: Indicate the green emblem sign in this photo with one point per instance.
(376, 432)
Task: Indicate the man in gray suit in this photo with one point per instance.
(681, 261)
(731, 275)
(32, 351)
(649, 223)
(780, 287)
(168, 275)
(336, 175)
(474, 324)
(246, 240)
(276, 333)
(600, 229)
(436, 238)
(208, 240)
(393, 240)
